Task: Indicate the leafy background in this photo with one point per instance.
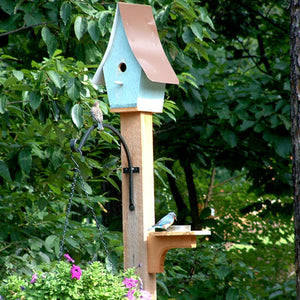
(223, 142)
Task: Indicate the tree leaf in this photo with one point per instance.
(232, 294)
(188, 36)
(55, 78)
(164, 287)
(102, 21)
(229, 137)
(197, 30)
(9, 82)
(65, 12)
(77, 115)
(72, 242)
(4, 171)
(34, 100)
(94, 30)
(18, 74)
(112, 182)
(25, 160)
(246, 124)
(51, 242)
(50, 40)
(56, 189)
(80, 27)
(44, 257)
(205, 17)
(73, 88)
(3, 104)
(86, 188)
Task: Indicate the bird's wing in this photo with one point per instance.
(165, 220)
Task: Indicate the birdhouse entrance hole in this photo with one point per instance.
(122, 67)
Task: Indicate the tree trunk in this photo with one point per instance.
(188, 172)
(295, 118)
(182, 210)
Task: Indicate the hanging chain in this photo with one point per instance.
(78, 174)
(96, 220)
(68, 212)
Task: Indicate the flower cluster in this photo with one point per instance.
(131, 284)
(75, 270)
(34, 278)
(68, 281)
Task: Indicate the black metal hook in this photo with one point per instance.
(131, 169)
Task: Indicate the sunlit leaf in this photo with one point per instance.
(77, 115)
(50, 40)
(197, 30)
(18, 74)
(55, 78)
(80, 27)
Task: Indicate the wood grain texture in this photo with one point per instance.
(136, 128)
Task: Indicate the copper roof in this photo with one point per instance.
(143, 38)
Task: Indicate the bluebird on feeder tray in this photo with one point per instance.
(165, 222)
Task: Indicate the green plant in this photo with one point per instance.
(207, 272)
(64, 281)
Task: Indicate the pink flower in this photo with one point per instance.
(145, 295)
(130, 282)
(75, 272)
(130, 295)
(34, 278)
(69, 258)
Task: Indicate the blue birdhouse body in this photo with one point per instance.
(134, 68)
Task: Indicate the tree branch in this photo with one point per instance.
(24, 27)
(211, 186)
(257, 12)
(251, 57)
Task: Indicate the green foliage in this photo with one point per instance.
(206, 273)
(95, 283)
(233, 106)
(230, 114)
(252, 239)
(220, 271)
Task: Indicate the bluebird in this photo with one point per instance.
(97, 115)
(165, 222)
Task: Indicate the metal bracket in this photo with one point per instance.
(134, 170)
(129, 170)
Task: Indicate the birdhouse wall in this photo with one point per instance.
(129, 68)
(122, 71)
(151, 95)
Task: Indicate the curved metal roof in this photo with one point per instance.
(143, 38)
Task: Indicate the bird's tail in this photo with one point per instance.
(100, 126)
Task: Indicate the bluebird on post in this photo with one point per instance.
(97, 114)
(165, 222)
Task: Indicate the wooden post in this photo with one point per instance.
(136, 128)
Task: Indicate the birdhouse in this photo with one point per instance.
(135, 68)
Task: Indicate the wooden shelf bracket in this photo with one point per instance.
(159, 243)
